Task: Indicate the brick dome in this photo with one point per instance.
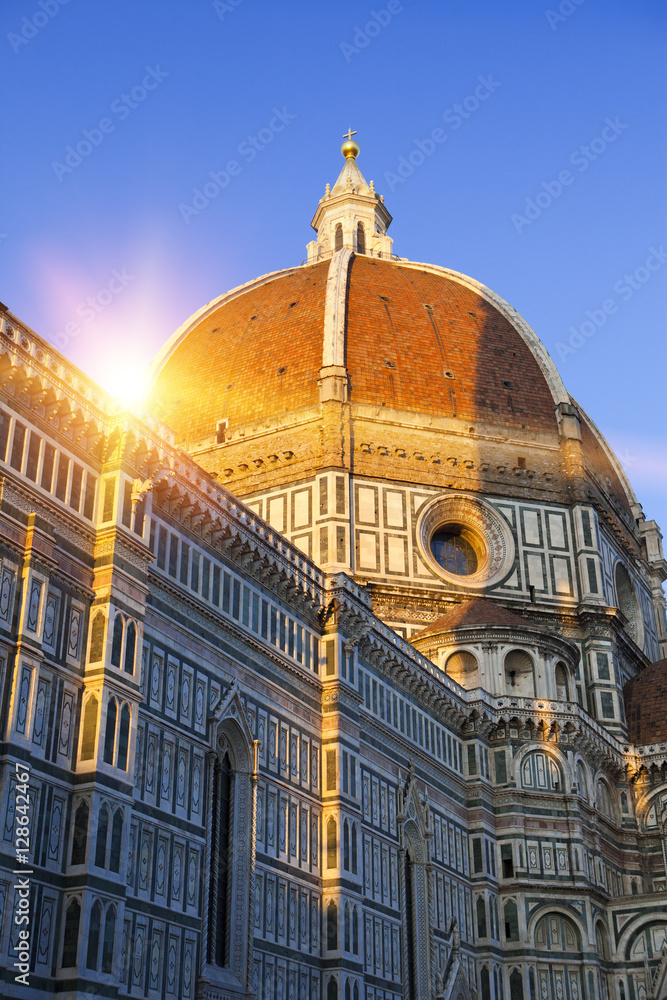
(416, 339)
(646, 704)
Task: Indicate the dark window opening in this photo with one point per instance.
(110, 734)
(481, 918)
(222, 805)
(16, 460)
(107, 943)
(101, 842)
(75, 491)
(116, 841)
(62, 477)
(33, 457)
(80, 838)
(410, 921)
(506, 860)
(453, 551)
(130, 644)
(117, 641)
(47, 467)
(71, 936)
(332, 926)
(511, 921)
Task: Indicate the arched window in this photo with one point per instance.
(110, 733)
(348, 992)
(107, 943)
(582, 782)
(80, 837)
(123, 737)
(410, 918)
(117, 641)
(332, 845)
(97, 638)
(511, 921)
(361, 238)
(355, 930)
(462, 667)
(603, 801)
(485, 984)
(356, 988)
(222, 799)
(531, 983)
(130, 644)
(519, 680)
(346, 846)
(626, 599)
(101, 842)
(332, 989)
(516, 985)
(353, 848)
(633, 887)
(338, 239)
(562, 688)
(481, 917)
(71, 935)
(94, 936)
(601, 942)
(347, 934)
(624, 804)
(332, 926)
(230, 813)
(116, 841)
(540, 772)
(89, 729)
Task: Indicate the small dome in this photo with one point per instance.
(470, 614)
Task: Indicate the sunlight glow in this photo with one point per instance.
(127, 382)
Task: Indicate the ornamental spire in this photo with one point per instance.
(351, 214)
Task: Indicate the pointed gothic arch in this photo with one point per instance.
(230, 852)
(415, 830)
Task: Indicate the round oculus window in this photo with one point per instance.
(455, 549)
(465, 541)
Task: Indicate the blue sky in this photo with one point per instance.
(551, 190)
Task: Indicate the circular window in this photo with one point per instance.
(454, 549)
(465, 541)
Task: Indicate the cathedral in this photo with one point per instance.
(338, 669)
